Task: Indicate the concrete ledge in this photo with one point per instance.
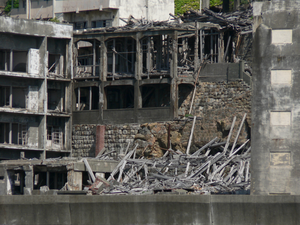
(151, 209)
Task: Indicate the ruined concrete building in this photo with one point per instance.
(35, 87)
(94, 13)
(57, 83)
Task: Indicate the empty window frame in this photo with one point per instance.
(186, 49)
(14, 133)
(20, 61)
(19, 97)
(5, 59)
(13, 96)
(56, 99)
(87, 98)
(120, 97)
(55, 133)
(121, 57)
(156, 53)
(157, 95)
(5, 96)
(55, 64)
(101, 23)
(209, 45)
(80, 25)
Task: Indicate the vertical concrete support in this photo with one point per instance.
(43, 99)
(174, 62)
(74, 180)
(29, 175)
(236, 5)
(103, 61)
(69, 68)
(242, 68)
(139, 61)
(137, 99)
(174, 99)
(101, 101)
(196, 53)
(205, 4)
(100, 139)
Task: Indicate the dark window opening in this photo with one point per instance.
(120, 97)
(40, 179)
(55, 133)
(186, 48)
(121, 57)
(98, 23)
(4, 133)
(156, 95)
(16, 181)
(4, 60)
(80, 25)
(156, 54)
(54, 64)
(55, 100)
(184, 91)
(20, 61)
(4, 96)
(211, 46)
(19, 97)
(13, 133)
(87, 98)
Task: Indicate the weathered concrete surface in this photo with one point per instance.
(158, 209)
(275, 104)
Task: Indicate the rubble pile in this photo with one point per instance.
(217, 167)
(237, 20)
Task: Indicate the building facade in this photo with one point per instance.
(93, 14)
(35, 87)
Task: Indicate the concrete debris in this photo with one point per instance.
(215, 168)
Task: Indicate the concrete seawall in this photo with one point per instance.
(159, 209)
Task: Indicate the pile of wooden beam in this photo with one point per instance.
(217, 167)
(237, 21)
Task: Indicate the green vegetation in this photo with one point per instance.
(181, 6)
(54, 20)
(7, 8)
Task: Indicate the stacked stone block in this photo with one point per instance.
(84, 140)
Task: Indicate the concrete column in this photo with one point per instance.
(196, 53)
(174, 62)
(100, 139)
(236, 5)
(103, 60)
(43, 99)
(138, 104)
(101, 101)
(173, 99)
(29, 175)
(139, 61)
(74, 180)
(205, 4)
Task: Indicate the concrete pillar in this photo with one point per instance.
(100, 140)
(236, 5)
(29, 175)
(74, 180)
(138, 104)
(205, 4)
(103, 60)
(139, 61)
